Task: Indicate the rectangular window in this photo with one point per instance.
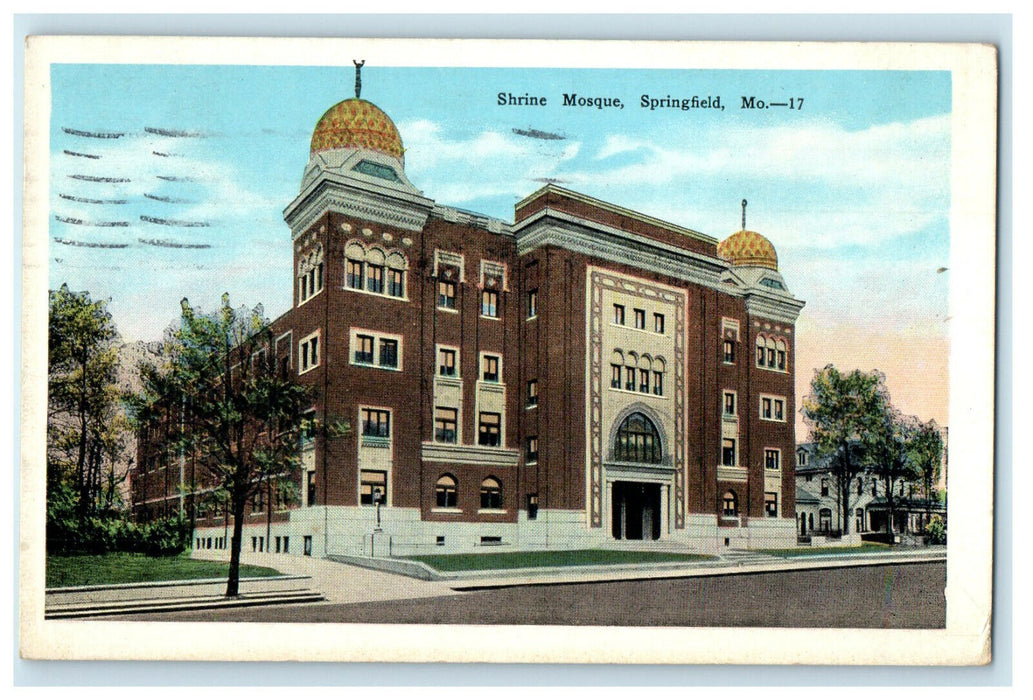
(491, 368)
(375, 279)
(729, 351)
(307, 542)
(618, 314)
(532, 392)
(771, 504)
(772, 459)
(489, 431)
(446, 362)
(532, 303)
(629, 383)
(308, 353)
(532, 449)
(782, 359)
(364, 349)
(310, 489)
(353, 269)
(615, 380)
(765, 408)
(643, 381)
(780, 407)
(729, 403)
(388, 353)
(395, 283)
(771, 357)
(760, 356)
(490, 303)
(640, 319)
(773, 408)
(658, 323)
(372, 487)
(445, 420)
(376, 422)
(824, 487)
(658, 383)
(728, 452)
(446, 295)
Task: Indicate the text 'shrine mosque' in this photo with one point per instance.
(583, 375)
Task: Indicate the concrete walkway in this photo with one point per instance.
(340, 583)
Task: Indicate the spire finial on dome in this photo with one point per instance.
(744, 215)
(358, 76)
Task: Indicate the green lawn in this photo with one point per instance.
(811, 551)
(521, 560)
(89, 570)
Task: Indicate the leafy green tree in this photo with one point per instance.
(888, 450)
(840, 410)
(926, 452)
(85, 429)
(231, 407)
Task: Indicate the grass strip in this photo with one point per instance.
(100, 569)
(542, 559)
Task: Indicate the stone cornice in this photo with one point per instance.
(469, 454)
(776, 308)
(349, 196)
(551, 227)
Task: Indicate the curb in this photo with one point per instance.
(179, 605)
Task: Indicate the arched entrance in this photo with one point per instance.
(636, 505)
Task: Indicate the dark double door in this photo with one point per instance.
(636, 511)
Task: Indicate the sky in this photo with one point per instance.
(171, 181)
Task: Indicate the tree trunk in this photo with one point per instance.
(233, 583)
(268, 516)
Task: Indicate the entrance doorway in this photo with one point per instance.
(636, 511)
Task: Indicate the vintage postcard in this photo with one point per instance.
(420, 350)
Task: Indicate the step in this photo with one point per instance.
(179, 604)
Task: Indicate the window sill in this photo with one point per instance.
(448, 310)
(491, 318)
(492, 511)
(531, 318)
(373, 365)
(378, 295)
(638, 393)
(307, 370)
(446, 510)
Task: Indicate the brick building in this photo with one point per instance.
(582, 375)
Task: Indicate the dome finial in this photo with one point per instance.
(358, 76)
(744, 215)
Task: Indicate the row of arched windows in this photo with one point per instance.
(634, 372)
(771, 353)
(310, 274)
(375, 270)
(446, 493)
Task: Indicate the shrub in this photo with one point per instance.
(936, 531)
(68, 533)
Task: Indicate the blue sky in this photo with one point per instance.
(853, 189)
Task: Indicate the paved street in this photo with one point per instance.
(890, 596)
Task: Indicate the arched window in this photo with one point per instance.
(491, 493)
(354, 266)
(637, 441)
(780, 350)
(771, 353)
(310, 274)
(730, 505)
(761, 352)
(446, 492)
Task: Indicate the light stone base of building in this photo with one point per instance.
(352, 530)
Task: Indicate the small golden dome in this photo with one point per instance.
(748, 249)
(355, 123)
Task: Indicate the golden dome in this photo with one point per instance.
(748, 249)
(355, 123)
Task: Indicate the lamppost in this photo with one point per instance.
(378, 497)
